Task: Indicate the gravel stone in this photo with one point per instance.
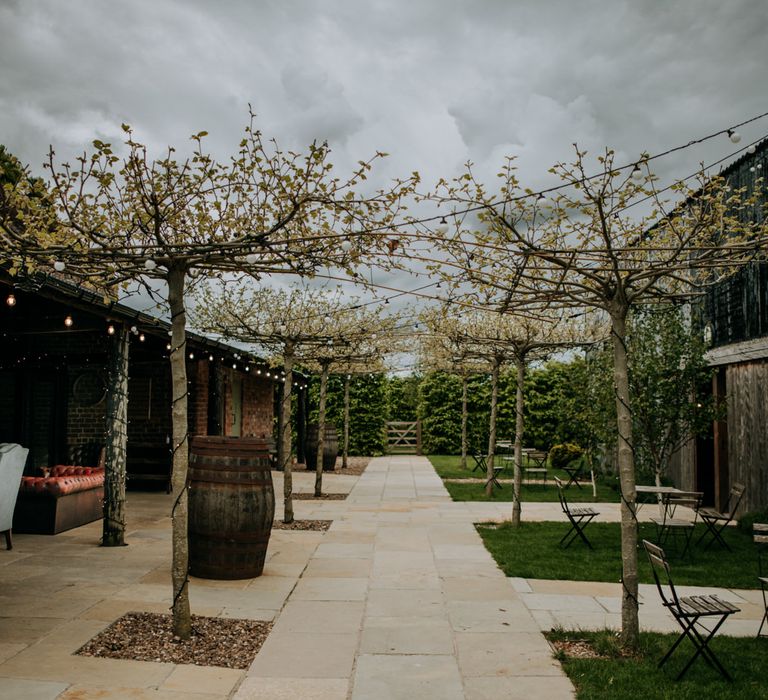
(316, 525)
(215, 641)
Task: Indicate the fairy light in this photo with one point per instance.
(110, 329)
(68, 322)
(10, 300)
(735, 136)
(150, 264)
(636, 174)
(59, 266)
(142, 337)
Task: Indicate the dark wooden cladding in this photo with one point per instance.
(231, 506)
(748, 431)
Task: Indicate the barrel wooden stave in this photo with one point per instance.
(330, 447)
(231, 507)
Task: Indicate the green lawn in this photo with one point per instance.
(638, 678)
(532, 551)
(449, 467)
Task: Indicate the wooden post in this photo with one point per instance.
(113, 534)
(285, 452)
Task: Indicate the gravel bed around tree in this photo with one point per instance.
(355, 466)
(316, 525)
(215, 641)
(321, 497)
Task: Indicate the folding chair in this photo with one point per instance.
(761, 538)
(578, 517)
(717, 521)
(668, 526)
(494, 479)
(688, 611)
(575, 472)
(480, 464)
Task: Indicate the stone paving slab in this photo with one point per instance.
(402, 600)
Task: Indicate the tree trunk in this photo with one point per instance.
(278, 397)
(345, 449)
(182, 622)
(519, 428)
(321, 431)
(285, 434)
(464, 417)
(117, 438)
(630, 624)
(301, 431)
(492, 433)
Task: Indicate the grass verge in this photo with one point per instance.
(449, 467)
(533, 551)
(615, 675)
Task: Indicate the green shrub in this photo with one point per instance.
(747, 520)
(562, 455)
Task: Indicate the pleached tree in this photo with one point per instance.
(108, 219)
(310, 325)
(587, 246)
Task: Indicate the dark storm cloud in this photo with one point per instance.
(432, 82)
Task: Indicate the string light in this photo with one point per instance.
(142, 337)
(68, 322)
(636, 174)
(149, 264)
(191, 356)
(346, 246)
(252, 258)
(735, 136)
(10, 300)
(59, 266)
(167, 346)
(210, 358)
(751, 149)
(110, 329)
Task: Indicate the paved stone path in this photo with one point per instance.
(400, 600)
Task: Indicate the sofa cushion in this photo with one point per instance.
(58, 486)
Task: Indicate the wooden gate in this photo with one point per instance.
(404, 437)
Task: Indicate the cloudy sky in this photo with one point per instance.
(433, 82)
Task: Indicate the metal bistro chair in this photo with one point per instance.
(761, 539)
(578, 517)
(669, 527)
(688, 612)
(480, 464)
(716, 521)
(576, 472)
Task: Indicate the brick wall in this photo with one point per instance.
(258, 407)
(199, 374)
(86, 403)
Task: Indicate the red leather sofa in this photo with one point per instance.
(65, 497)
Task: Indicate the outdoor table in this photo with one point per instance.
(657, 491)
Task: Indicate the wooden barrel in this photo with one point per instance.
(231, 506)
(330, 447)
